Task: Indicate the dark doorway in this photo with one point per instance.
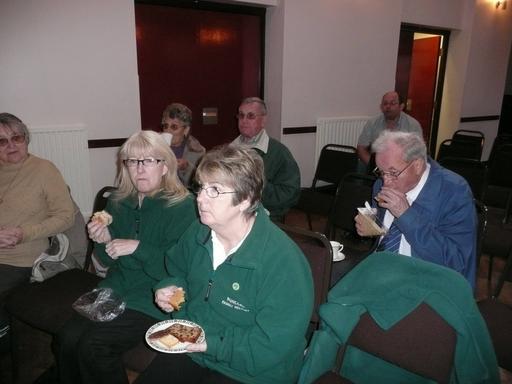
(420, 74)
(207, 56)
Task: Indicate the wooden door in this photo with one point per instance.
(203, 58)
(422, 81)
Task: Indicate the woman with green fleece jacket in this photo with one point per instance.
(150, 210)
(246, 283)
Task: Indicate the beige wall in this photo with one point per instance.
(69, 62)
(339, 57)
(74, 62)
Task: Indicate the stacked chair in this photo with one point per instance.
(464, 143)
(334, 162)
(499, 178)
(352, 192)
(498, 317)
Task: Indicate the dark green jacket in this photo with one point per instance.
(158, 227)
(389, 286)
(282, 179)
(257, 307)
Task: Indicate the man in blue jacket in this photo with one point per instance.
(428, 209)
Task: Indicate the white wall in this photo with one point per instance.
(68, 62)
(71, 62)
(339, 57)
(486, 75)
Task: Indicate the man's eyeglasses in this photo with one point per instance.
(248, 115)
(391, 103)
(172, 127)
(148, 162)
(211, 192)
(15, 139)
(392, 174)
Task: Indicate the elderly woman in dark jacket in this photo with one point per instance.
(176, 120)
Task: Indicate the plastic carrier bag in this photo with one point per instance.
(100, 304)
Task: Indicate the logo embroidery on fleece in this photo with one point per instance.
(235, 286)
(231, 303)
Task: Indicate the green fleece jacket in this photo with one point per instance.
(254, 308)
(282, 179)
(158, 227)
(389, 286)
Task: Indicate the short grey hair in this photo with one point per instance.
(412, 144)
(14, 124)
(254, 99)
(178, 111)
(238, 167)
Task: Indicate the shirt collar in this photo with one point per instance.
(413, 193)
(260, 141)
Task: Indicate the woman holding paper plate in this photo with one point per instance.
(246, 283)
(150, 211)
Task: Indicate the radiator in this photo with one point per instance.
(66, 147)
(338, 130)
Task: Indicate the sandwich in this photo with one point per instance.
(371, 228)
(103, 217)
(177, 299)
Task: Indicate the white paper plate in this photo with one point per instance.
(178, 348)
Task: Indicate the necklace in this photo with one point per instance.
(10, 183)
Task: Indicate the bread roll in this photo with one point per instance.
(103, 217)
(177, 299)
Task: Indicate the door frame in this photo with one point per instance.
(438, 94)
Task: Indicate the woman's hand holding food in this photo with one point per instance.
(98, 232)
(163, 297)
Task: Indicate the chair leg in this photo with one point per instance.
(309, 221)
(504, 275)
(489, 269)
(507, 208)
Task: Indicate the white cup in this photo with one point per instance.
(167, 137)
(337, 255)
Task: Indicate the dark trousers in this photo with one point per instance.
(92, 352)
(10, 277)
(180, 369)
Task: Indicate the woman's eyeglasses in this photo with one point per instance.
(172, 127)
(16, 139)
(211, 192)
(148, 162)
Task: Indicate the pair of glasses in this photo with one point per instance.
(392, 174)
(148, 162)
(172, 127)
(15, 139)
(248, 115)
(211, 192)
